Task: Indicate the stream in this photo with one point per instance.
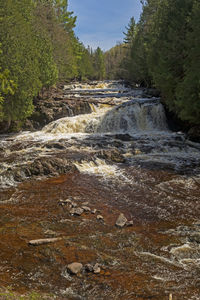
(120, 158)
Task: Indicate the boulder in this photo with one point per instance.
(121, 221)
(76, 211)
(75, 268)
(86, 208)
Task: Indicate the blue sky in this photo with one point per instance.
(102, 22)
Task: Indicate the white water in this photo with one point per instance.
(129, 117)
(142, 119)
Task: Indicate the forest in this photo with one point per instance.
(162, 51)
(39, 49)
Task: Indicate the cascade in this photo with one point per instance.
(128, 117)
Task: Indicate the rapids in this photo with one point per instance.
(121, 157)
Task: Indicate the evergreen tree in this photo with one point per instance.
(114, 62)
(99, 64)
(130, 33)
(188, 88)
(18, 46)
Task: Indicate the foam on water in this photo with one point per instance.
(100, 167)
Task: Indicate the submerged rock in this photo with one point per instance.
(112, 155)
(121, 221)
(75, 268)
(89, 268)
(99, 217)
(86, 208)
(129, 223)
(96, 269)
(76, 211)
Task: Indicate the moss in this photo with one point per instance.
(8, 294)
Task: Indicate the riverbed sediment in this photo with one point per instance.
(118, 158)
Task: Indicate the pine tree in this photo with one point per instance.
(99, 64)
(130, 32)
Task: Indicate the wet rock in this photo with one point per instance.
(121, 221)
(76, 211)
(194, 134)
(66, 201)
(75, 268)
(56, 107)
(129, 223)
(43, 241)
(96, 269)
(54, 145)
(113, 155)
(89, 268)
(99, 217)
(86, 208)
(124, 137)
(185, 251)
(137, 151)
(51, 233)
(195, 237)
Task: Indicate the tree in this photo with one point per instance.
(188, 89)
(131, 30)
(114, 62)
(99, 64)
(19, 58)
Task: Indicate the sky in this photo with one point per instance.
(100, 23)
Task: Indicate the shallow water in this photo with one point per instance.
(148, 173)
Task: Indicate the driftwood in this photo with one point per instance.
(43, 241)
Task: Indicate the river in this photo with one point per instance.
(120, 158)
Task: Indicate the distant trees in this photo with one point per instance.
(99, 65)
(114, 62)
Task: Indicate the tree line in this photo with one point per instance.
(38, 48)
(163, 50)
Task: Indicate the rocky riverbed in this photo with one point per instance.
(112, 190)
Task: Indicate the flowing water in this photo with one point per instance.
(120, 158)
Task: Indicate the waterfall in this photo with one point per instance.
(128, 117)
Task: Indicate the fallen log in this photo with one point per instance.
(43, 241)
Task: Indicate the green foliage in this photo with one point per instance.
(163, 50)
(38, 47)
(131, 30)
(114, 62)
(86, 68)
(19, 58)
(99, 64)
(188, 89)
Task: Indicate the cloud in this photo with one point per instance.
(101, 23)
